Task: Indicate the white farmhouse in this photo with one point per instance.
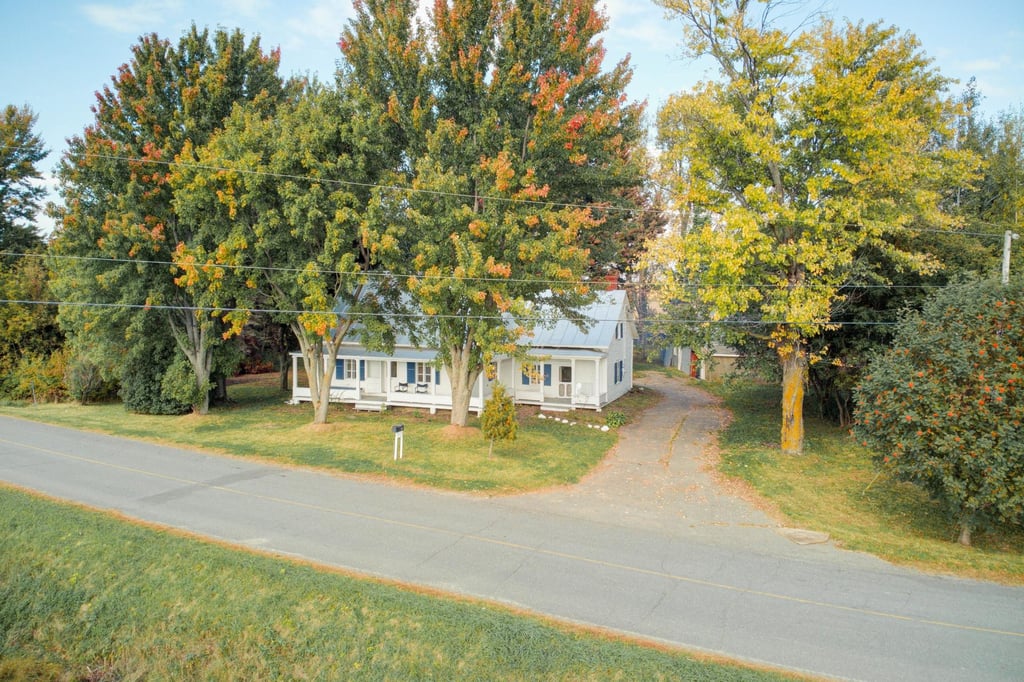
(567, 368)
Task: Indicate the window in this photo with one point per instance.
(351, 370)
(565, 374)
(423, 373)
(534, 375)
(620, 330)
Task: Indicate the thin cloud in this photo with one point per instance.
(632, 24)
(132, 18)
(986, 65)
(322, 22)
(246, 8)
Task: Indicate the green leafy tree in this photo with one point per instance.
(29, 327)
(809, 149)
(883, 289)
(498, 421)
(515, 145)
(281, 196)
(119, 228)
(944, 406)
(21, 150)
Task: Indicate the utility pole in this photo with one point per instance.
(1007, 240)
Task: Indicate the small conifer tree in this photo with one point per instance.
(498, 420)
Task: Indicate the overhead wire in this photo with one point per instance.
(380, 274)
(473, 197)
(397, 315)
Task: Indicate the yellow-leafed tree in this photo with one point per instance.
(811, 150)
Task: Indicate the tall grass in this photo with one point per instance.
(86, 597)
(258, 423)
(835, 487)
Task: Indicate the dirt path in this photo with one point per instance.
(662, 475)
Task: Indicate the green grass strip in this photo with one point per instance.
(85, 596)
(258, 424)
(834, 487)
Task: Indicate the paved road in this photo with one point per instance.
(681, 566)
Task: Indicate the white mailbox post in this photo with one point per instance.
(399, 431)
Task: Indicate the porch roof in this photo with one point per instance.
(567, 353)
(406, 354)
(400, 354)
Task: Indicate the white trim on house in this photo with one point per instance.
(576, 369)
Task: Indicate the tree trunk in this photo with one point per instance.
(462, 377)
(203, 386)
(192, 337)
(323, 402)
(220, 388)
(320, 358)
(965, 534)
(283, 358)
(312, 362)
(793, 357)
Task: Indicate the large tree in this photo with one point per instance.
(987, 207)
(515, 144)
(21, 150)
(810, 148)
(119, 230)
(282, 196)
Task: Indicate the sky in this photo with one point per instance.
(56, 54)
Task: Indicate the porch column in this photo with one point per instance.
(480, 385)
(362, 370)
(573, 383)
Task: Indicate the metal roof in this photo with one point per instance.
(598, 322)
(603, 314)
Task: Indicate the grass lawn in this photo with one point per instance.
(834, 487)
(86, 597)
(258, 424)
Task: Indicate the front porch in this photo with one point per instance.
(561, 380)
(374, 382)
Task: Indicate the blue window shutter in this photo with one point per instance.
(526, 377)
(437, 376)
(547, 375)
(410, 372)
(362, 370)
(339, 370)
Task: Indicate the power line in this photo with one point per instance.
(378, 274)
(213, 310)
(367, 185)
(485, 198)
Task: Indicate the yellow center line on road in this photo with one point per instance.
(527, 548)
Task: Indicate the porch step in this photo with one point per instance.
(369, 405)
